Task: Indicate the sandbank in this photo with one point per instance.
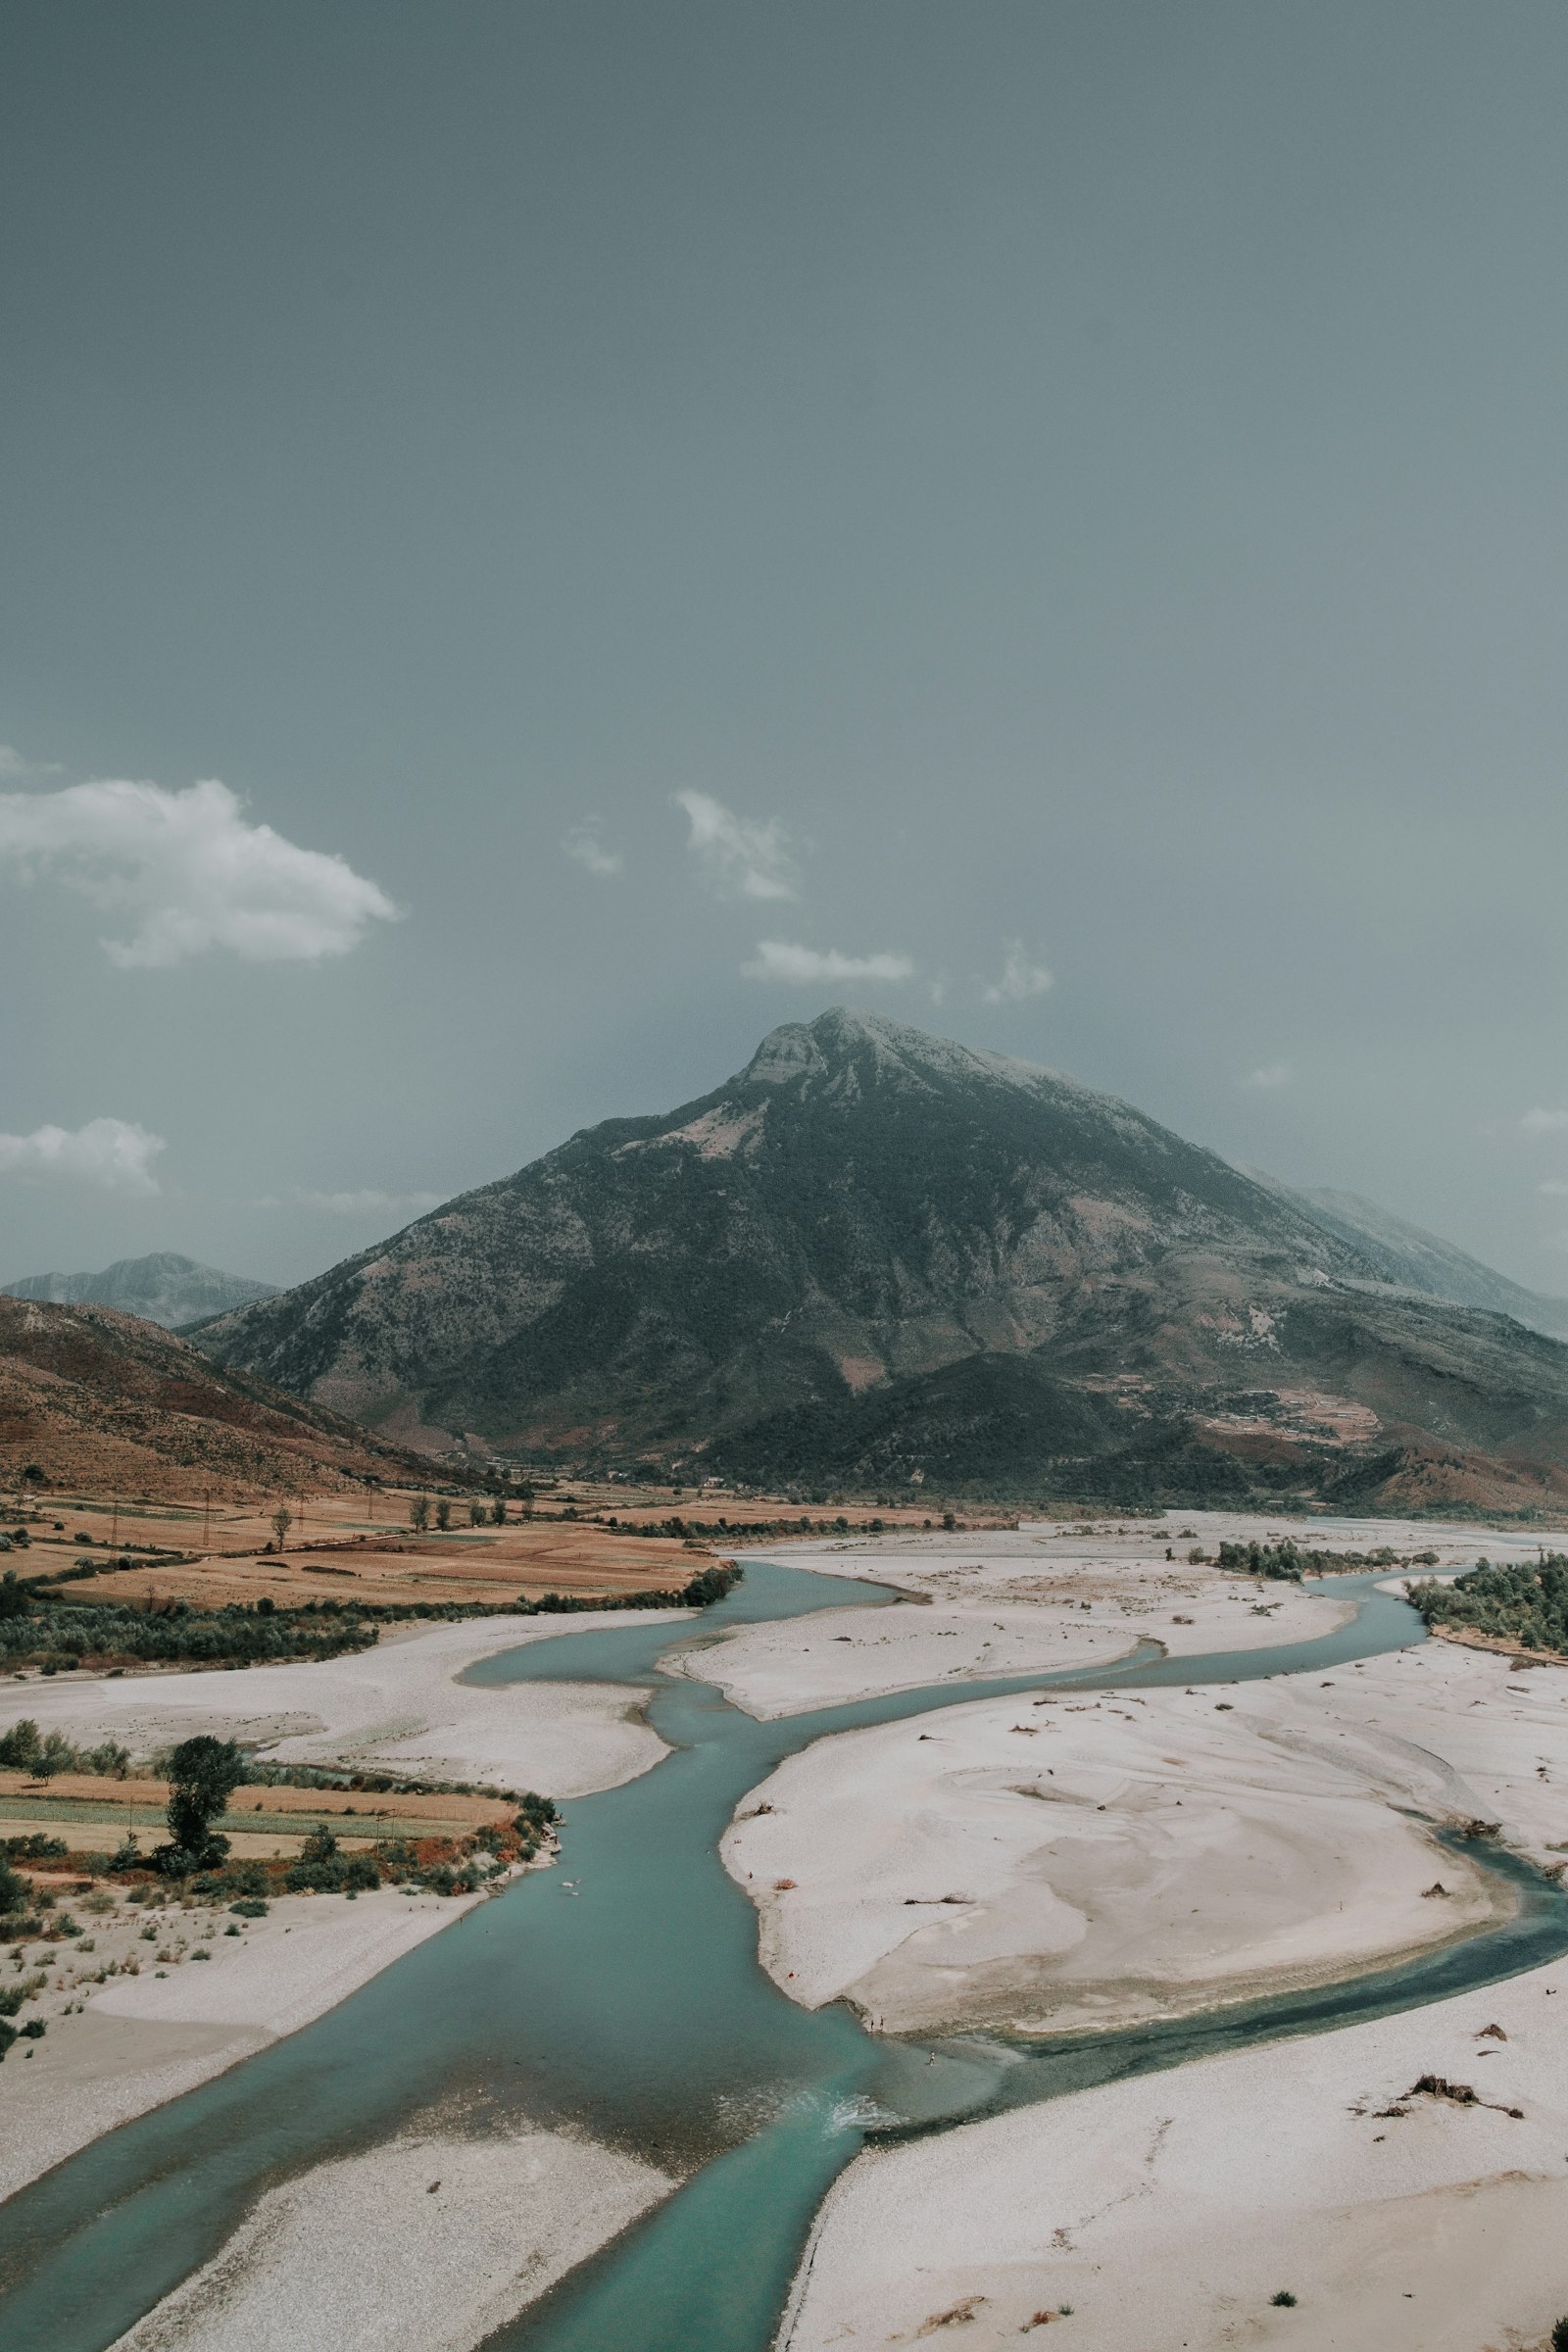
(427, 2245)
(1085, 1860)
(1046, 1596)
(398, 1707)
(1168, 2211)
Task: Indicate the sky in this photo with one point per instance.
(540, 542)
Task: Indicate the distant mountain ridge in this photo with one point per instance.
(164, 1287)
(1407, 1255)
(877, 1258)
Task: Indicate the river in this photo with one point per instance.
(619, 1996)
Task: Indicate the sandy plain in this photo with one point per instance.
(1053, 1594)
(399, 1707)
(1296, 1797)
(1165, 2213)
(1087, 1859)
(116, 2047)
(423, 2245)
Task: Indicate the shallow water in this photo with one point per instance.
(619, 1994)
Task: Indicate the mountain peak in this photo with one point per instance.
(846, 1038)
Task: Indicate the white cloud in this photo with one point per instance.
(1544, 1122)
(368, 1204)
(779, 959)
(113, 1152)
(583, 843)
(738, 859)
(1021, 978)
(1273, 1074)
(1555, 1188)
(190, 873)
(16, 766)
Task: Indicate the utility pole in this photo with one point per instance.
(114, 1532)
(206, 1519)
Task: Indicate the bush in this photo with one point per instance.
(537, 1815)
(250, 1906)
(1284, 2300)
(322, 1870)
(1560, 2336)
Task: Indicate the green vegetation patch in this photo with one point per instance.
(1524, 1603)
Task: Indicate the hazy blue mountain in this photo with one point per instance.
(876, 1257)
(1406, 1254)
(162, 1289)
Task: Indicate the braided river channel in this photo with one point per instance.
(637, 2014)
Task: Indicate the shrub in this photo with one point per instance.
(251, 1906)
(1284, 2300)
(1560, 2336)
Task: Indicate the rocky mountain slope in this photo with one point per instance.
(101, 1402)
(164, 1289)
(1418, 1260)
(874, 1258)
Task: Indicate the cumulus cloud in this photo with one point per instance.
(781, 960)
(113, 1152)
(1273, 1074)
(585, 845)
(1544, 1122)
(189, 873)
(1021, 978)
(738, 859)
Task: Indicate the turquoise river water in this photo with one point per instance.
(634, 2011)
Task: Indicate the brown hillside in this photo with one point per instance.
(103, 1402)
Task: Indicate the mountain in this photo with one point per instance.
(162, 1289)
(1420, 1261)
(103, 1402)
(874, 1258)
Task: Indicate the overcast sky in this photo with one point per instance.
(541, 541)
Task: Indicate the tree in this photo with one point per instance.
(476, 1514)
(20, 1744)
(282, 1521)
(13, 1596)
(203, 1775)
(443, 1514)
(498, 1511)
(419, 1514)
(15, 1893)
